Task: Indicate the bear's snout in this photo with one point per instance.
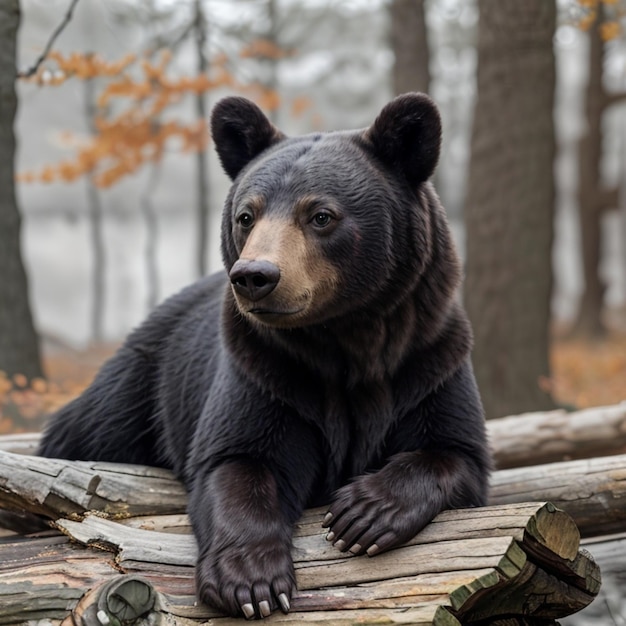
(254, 279)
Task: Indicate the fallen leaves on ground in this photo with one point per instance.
(587, 373)
(24, 404)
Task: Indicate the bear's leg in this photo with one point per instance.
(439, 460)
(385, 509)
(244, 540)
(111, 419)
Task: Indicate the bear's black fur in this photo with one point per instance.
(329, 363)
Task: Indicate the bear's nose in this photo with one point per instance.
(254, 279)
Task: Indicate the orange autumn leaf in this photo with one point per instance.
(300, 105)
(20, 380)
(38, 385)
(587, 21)
(5, 384)
(263, 48)
(124, 141)
(610, 30)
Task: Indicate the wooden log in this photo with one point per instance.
(57, 488)
(515, 562)
(592, 491)
(20, 443)
(537, 438)
(610, 604)
(610, 553)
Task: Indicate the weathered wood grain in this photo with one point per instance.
(55, 488)
(592, 491)
(512, 559)
(20, 443)
(41, 577)
(466, 565)
(553, 436)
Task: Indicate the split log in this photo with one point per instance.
(592, 491)
(537, 438)
(58, 488)
(519, 563)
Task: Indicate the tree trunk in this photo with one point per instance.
(94, 205)
(272, 34)
(510, 203)
(590, 209)
(19, 346)
(409, 41)
(202, 162)
(150, 220)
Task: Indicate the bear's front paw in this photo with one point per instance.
(375, 513)
(249, 579)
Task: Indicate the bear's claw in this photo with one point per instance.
(283, 601)
(248, 581)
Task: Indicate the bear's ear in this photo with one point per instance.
(406, 136)
(241, 132)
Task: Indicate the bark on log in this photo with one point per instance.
(534, 438)
(57, 488)
(514, 562)
(592, 491)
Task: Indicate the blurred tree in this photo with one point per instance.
(96, 216)
(19, 347)
(409, 42)
(510, 203)
(594, 198)
(200, 28)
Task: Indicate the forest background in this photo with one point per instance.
(119, 193)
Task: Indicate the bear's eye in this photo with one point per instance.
(321, 219)
(245, 220)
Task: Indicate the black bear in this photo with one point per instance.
(330, 362)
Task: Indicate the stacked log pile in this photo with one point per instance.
(119, 548)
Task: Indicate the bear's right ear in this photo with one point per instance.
(406, 136)
(241, 132)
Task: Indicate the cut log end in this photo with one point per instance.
(555, 530)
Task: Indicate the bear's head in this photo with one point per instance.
(320, 225)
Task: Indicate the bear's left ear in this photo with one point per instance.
(241, 132)
(406, 135)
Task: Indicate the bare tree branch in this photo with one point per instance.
(57, 31)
